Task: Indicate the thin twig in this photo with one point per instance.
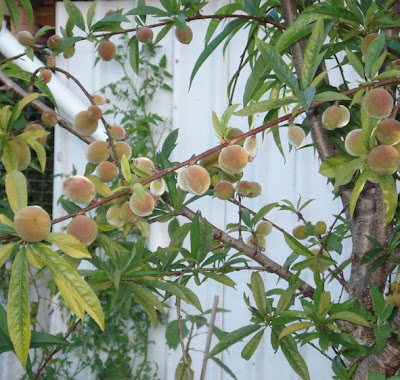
(57, 349)
(178, 314)
(209, 337)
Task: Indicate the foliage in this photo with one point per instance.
(287, 76)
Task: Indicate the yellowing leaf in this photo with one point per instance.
(16, 190)
(69, 245)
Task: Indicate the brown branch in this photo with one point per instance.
(12, 86)
(55, 350)
(254, 253)
(184, 357)
(209, 337)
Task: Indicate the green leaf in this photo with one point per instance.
(296, 246)
(339, 369)
(296, 30)
(226, 9)
(295, 327)
(377, 300)
(375, 375)
(389, 191)
(28, 9)
(355, 62)
(347, 170)
(169, 143)
(256, 78)
(134, 54)
(149, 302)
(273, 59)
(373, 53)
(263, 211)
(224, 367)
(14, 12)
(22, 104)
(75, 15)
(330, 96)
(6, 250)
(230, 27)
(358, 188)
(265, 105)
(144, 10)
(350, 317)
(232, 338)
(126, 170)
(258, 290)
(172, 335)
(292, 355)
(90, 14)
(40, 152)
(17, 194)
(41, 339)
(69, 245)
(76, 292)
(18, 314)
(376, 66)
(163, 32)
(306, 97)
(252, 345)
(312, 58)
(221, 278)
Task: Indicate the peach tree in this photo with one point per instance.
(354, 131)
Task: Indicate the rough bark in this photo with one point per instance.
(368, 219)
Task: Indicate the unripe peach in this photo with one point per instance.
(182, 180)
(296, 136)
(126, 213)
(251, 146)
(69, 52)
(354, 143)
(83, 228)
(224, 190)
(100, 100)
(210, 161)
(384, 160)
(25, 38)
(79, 189)
(184, 36)
(94, 112)
(84, 125)
(300, 232)
(54, 42)
(144, 164)
(121, 147)
(378, 103)
(106, 50)
(46, 75)
(157, 187)
(320, 227)
(141, 206)
(32, 223)
(264, 228)
(256, 241)
(23, 153)
(97, 151)
(113, 215)
(36, 127)
(106, 171)
(117, 132)
(233, 159)
(388, 132)
(248, 189)
(367, 41)
(197, 179)
(233, 133)
(144, 34)
(335, 117)
(49, 118)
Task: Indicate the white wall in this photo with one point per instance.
(190, 111)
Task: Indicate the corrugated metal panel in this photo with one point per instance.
(190, 111)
